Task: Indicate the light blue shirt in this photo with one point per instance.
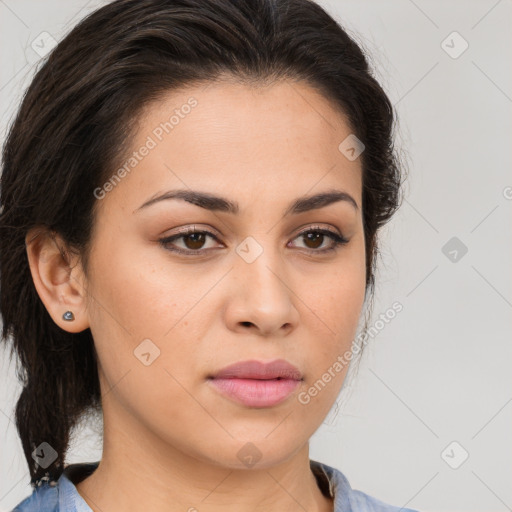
(64, 497)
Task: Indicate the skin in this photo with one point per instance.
(170, 439)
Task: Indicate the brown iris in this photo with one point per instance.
(314, 237)
(198, 240)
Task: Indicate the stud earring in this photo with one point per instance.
(68, 315)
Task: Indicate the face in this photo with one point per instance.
(168, 310)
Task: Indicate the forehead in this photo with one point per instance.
(237, 139)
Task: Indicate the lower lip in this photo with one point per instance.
(254, 392)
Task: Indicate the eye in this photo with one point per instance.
(315, 236)
(194, 240)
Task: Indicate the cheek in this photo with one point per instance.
(140, 297)
(336, 299)
(337, 312)
(135, 291)
(336, 295)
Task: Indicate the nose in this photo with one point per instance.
(263, 298)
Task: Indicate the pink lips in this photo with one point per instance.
(257, 384)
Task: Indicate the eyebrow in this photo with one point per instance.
(221, 204)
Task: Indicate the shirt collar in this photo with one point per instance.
(331, 482)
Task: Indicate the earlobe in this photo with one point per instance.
(57, 279)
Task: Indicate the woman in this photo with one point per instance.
(191, 197)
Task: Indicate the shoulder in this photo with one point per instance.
(43, 499)
(347, 499)
(360, 500)
(60, 496)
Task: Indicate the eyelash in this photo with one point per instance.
(335, 237)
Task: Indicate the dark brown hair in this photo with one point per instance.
(76, 121)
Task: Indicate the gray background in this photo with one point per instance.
(439, 372)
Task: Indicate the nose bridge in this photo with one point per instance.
(256, 254)
(261, 272)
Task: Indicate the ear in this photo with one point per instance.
(58, 278)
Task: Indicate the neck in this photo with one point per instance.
(134, 475)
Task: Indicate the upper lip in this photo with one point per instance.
(253, 369)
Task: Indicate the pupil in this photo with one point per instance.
(197, 240)
(314, 237)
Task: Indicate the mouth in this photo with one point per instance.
(257, 384)
(255, 392)
(259, 370)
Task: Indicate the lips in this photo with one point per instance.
(278, 369)
(256, 384)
